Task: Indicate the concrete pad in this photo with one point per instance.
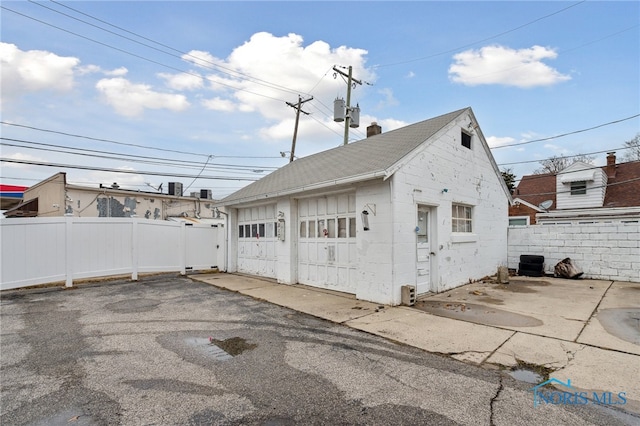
(432, 333)
(563, 306)
(616, 325)
(321, 304)
(537, 350)
(595, 369)
(233, 282)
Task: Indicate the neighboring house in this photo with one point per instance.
(581, 193)
(55, 197)
(424, 205)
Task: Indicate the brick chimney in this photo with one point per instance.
(374, 129)
(611, 164)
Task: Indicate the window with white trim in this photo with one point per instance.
(579, 187)
(519, 220)
(461, 218)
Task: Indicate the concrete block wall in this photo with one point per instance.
(608, 251)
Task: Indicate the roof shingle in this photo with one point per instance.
(362, 159)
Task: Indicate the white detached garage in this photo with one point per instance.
(424, 205)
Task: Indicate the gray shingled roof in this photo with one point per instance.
(359, 160)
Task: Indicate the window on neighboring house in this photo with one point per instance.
(466, 139)
(461, 218)
(518, 220)
(579, 187)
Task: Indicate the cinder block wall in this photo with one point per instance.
(602, 250)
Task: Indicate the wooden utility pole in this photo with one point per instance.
(299, 110)
(350, 81)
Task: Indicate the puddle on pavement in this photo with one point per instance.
(521, 286)
(478, 314)
(623, 323)
(220, 350)
(525, 375)
(234, 346)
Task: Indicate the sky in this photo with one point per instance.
(204, 93)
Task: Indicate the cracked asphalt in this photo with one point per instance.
(153, 352)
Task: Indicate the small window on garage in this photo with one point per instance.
(342, 227)
(303, 229)
(261, 230)
(461, 218)
(312, 229)
(241, 231)
(352, 227)
(247, 231)
(321, 228)
(254, 230)
(270, 228)
(331, 227)
(466, 139)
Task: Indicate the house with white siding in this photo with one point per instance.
(580, 194)
(423, 206)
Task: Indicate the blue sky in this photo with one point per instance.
(201, 88)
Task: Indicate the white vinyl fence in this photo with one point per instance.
(607, 251)
(44, 250)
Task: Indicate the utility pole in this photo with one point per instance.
(350, 82)
(299, 110)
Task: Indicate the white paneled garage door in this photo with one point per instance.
(257, 241)
(327, 242)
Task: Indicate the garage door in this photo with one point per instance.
(257, 241)
(327, 242)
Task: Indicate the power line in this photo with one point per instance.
(129, 157)
(127, 144)
(136, 172)
(567, 134)
(139, 56)
(606, 185)
(211, 65)
(565, 156)
(481, 41)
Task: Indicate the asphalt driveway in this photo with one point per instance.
(168, 350)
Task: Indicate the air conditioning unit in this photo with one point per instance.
(206, 194)
(175, 188)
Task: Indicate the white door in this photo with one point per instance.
(327, 242)
(423, 250)
(257, 241)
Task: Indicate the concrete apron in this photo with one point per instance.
(587, 331)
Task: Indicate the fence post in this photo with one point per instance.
(183, 248)
(135, 250)
(68, 248)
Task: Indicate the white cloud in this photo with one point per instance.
(21, 157)
(200, 58)
(410, 74)
(390, 124)
(219, 104)
(495, 141)
(131, 99)
(389, 99)
(505, 66)
(284, 62)
(183, 81)
(34, 70)
(118, 72)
